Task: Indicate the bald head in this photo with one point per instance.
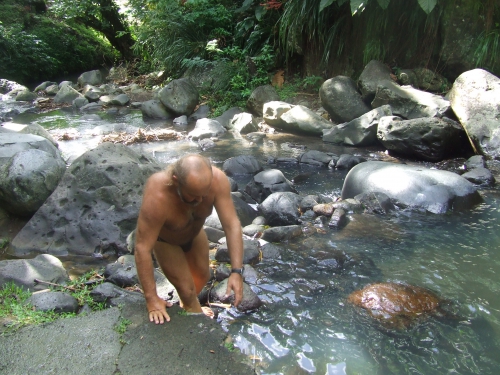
(189, 167)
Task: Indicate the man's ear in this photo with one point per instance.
(175, 179)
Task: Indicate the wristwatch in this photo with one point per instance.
(237, 270)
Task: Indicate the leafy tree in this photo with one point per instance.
(102, 16)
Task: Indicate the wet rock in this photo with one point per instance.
(155, 109)
(241, 165)
(340, 97)
(412, 186)
(260, 96)
(249, 302)
(251, 252)
(59, 302)
(376, 202)
(281, 209)
(480, 176)
(474, 99)
(180, 97)
(281, 233)
(267, 182)
(93, 77)
(315, 158)
(226, 117)
(206, 144)
(67, 94)
(301, 120)
(348, 162)
(23, 272)
(270, 251)
(273, 112)
(374, 74)
(338, 219)
(244, 123)
(395, 305)
(476, 161)
(206, 128)
(253, 230)
(113, 295)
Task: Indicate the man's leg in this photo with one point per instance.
(198, 261)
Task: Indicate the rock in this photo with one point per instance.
(155, 109)
(251, 252)
(412, 186)
(203, 111)
(395, 305)
(260, 96)
(267, 182)
(92, 107)
(281, 233)
(272, 112)
(23, 272)
(246, 214)
(36, 129)
(360, 132)
(338, 219)
(26, 96)
(67, 94)
(480, 176)
(426, 79)
(259, 220)
(374, 74)
(249, 302)
(101, 193)
(121, 275)
(376, 202)
(410, 103)
(308, 202)
(52, 90)
(181, 120)
(302, 120)
(80, 102)
(474, 99)
(256, 136)
(244, 123)
(42, 86)
(30, 170)
(180, 97)
(476, 161)
(206, 128)
(112, 295)
(340, 97)
(121, 99)
(315, 158)
(270, 251)
(347, 161)
(281, 209)
(59, 302)
(241, 165)
(431, 139)
(253, 230)
(214, 234)
(227, 116)
(206, 143)
(93, 77)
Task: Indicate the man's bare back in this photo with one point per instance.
(175, 205)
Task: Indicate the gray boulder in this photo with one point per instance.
(93, 77)
(374, 74)
(28, 175)
(226, 118)
(267, 182)
(474, 99)
(246, 214)
(66, 94)
(480, 176)
(423, 78)
(180, 97)
(347, 161)
(120, 99)
(42, 86)
(475, 161)
(415, 187)
(410, 103)
(272, 112)
(36, 129)
(156, 110)
(340, 97)
(302, 120)
(358, 132)
(260, 96)
(23, 272)
(94, 207)
(316, 158)
(281, 233)
(59, 302)
(26, 96)
(52, 90)
(250, 301)
(206, 128)
(281, 209)
(241, 165)
(251, 252)
(427, 138)
(244, 123)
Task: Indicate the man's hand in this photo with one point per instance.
(235, 283)
(157, 309)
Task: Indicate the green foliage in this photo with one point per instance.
(122, 325)
(229, 346)
(296, 85)
(81, 287)
(13, 307)
(4, 242)
(488, 48)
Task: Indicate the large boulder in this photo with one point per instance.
(281, 209)
(67, 94)
(244, 123)
(180, 97)
(273, 112)
(260, 96)
(410, 103)
(30, 169)
(23, 272)
(93, 77)
(302, 120)
(374, 74)
(358, 132)
(226, 118)
(425, 138)
(94, 207)
(340, 97)
(206, 128)
(474, 99)
(267, 182)
(155, 109)
(315, 158)
(241, 165)
(246, 214)
(416, 187)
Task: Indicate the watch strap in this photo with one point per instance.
(237, 270)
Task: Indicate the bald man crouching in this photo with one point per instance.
(175, 204)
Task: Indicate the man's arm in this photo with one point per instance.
(148, 227)
(232, 228)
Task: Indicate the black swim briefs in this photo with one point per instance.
(186, 247)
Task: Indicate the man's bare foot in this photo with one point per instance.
(208, 311)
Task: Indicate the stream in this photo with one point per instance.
(306, 324)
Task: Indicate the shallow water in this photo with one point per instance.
(306, 325)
